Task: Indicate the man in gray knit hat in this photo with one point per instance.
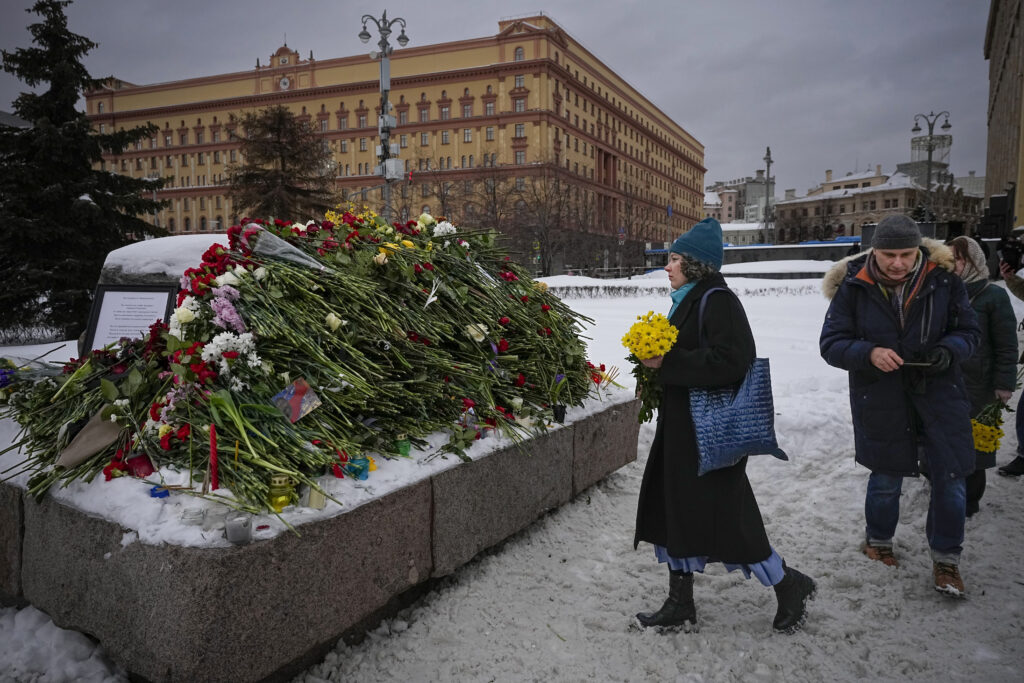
(900, 324)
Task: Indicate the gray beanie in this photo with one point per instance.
(896, 232)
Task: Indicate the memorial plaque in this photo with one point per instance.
(126, 311)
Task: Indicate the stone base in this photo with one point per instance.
(250, 613)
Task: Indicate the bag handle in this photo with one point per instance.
(700, 311)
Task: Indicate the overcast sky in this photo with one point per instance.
(828, 84)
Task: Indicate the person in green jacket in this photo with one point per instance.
(991, 373)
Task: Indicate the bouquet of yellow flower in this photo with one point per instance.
(987, 427)
(651, 336)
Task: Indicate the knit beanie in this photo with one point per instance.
(702, 242)
(896, 232)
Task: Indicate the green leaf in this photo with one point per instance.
(276, 293)
(133, 382)
(109, 390)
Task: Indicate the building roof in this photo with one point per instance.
(9, 119)
(863, 175)
(895, 182)
(739, 227)
(711, 198)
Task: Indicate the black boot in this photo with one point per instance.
(1014, 468)
(678, 608)
(793, 592)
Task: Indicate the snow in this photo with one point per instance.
(554, 602)
(163, 255)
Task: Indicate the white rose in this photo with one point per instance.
(259, 273)
(517, 403)
(426, 219)
(333, 321)
(476, 332)
(183, 315)
(380, 259)
(228, 278)
(299, 226)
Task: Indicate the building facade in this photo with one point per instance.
(1004, 50)
(749, 191)
(840, 206)
(527, 103)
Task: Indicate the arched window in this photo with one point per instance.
(170, 225)
(188, 224)
(426, 208)
(444, 94)
(463, 161)
(519, 55)
(471, 161)
(202, 224)
(465, 92)
(488, 90)
(220, 223)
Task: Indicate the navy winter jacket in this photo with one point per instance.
(895, 412)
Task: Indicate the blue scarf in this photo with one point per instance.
(678, 295)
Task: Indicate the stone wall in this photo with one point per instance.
(262, 610)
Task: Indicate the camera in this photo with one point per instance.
(1010, 252)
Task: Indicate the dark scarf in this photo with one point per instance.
(898, 292)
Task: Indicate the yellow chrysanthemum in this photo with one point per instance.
(652, 335)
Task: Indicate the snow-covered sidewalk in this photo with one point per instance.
(554, 602)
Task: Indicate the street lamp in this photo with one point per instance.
(768, 196)
(390, 169)
(930, 144)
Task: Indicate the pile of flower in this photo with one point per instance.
(300, 349)
(651, 336)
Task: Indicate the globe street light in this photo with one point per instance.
(389, 168)
(930, 144)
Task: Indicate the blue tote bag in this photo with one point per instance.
(734, 422)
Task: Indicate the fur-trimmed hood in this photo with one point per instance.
(938, 253)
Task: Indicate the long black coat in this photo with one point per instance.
(895, 412)
(994, 365)
(715, 515)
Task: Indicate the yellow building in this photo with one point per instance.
(527, 101)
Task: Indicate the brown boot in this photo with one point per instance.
(882, 553)
(947, 580)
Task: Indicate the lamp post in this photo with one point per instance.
(389, 168)
(768, 225)
(930, 118)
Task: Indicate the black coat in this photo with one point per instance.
(895, 412)
(715, 515)
(994, 365)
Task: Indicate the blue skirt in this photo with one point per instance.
(769, 572)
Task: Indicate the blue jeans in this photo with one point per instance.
(946, 511)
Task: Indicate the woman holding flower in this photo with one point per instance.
(990, 374)
(692, 520)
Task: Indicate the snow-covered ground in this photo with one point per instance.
(554, 602)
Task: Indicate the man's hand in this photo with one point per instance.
(940, 358)
(885, 359)
(654, 362)
(1003, 395)
(1005, 270)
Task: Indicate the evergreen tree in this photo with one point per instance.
(60, 216)
(286, 167)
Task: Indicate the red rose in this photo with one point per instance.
(504, 320)
(545, 307)
(520, 380)
(503, 346)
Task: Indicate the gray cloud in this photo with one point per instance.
(828, 84)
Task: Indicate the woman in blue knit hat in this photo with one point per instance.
(694, 520)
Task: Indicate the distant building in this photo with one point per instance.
(1004, 50)
(972, 184)
(527, 102)
(740, 234)
(749, 191)
(713, 206)
(839, 206)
